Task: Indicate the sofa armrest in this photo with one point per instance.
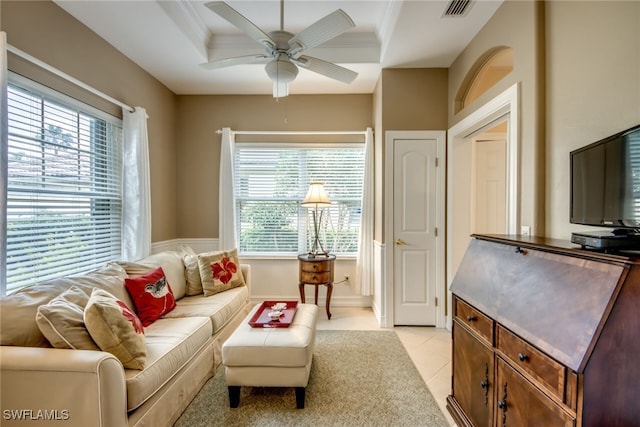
(246, 273)
(79, 387)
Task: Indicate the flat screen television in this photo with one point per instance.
(605, 182)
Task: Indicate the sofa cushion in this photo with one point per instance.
(18, 310)
(116, 329)
(219, 271)
(151, 295)
(170, 344)
(61, 321)
(171, 263)
(191, 270)
(220, 308)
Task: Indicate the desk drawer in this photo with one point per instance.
(477, 321)
(310, 277)
(540, 366)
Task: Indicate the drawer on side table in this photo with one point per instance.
(322, 277)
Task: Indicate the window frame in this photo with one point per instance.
(94, 169)
(304, 215)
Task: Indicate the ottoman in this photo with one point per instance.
(271, 357)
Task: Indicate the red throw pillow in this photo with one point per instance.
(151, 294)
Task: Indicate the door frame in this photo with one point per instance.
(506, 105)
(387, 300)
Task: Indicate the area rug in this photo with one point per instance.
(358, 378)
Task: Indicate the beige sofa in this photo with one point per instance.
(41, 385)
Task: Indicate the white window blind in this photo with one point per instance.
(271, 181)
(63, 188)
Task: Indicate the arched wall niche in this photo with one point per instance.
(489, 69)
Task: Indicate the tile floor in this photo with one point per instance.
(429, 348)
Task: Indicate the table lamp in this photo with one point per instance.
(316, 197)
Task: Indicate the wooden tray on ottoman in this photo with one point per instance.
(261, 317)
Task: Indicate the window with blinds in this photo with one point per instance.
(270, 183)
(64, 186)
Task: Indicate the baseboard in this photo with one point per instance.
(449, 323)
(379, 316)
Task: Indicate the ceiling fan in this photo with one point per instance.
(284, 50)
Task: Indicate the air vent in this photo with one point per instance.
(457, 8)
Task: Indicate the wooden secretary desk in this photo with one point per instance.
(545, 334)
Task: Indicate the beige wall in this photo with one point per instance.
(40, 28)
(414, 98)
(378, 162)
(593, 88)
(198, 146)
(519, 25)
(577, 64)
(409, 99)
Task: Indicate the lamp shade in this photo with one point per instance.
(316, 196)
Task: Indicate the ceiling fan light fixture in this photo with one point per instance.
(281, 70)
(280, 89)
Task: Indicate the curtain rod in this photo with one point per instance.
(67, 77)
(294, 132)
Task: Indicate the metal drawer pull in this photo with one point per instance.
(523, 357)
(472, 318)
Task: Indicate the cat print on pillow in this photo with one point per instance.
(158, 289)
(151, 295)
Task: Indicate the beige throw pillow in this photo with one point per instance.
(61, 321)
(191, 270)
(116, 329)
(219, 271)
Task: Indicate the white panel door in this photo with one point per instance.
(414, 239)
(491, 187)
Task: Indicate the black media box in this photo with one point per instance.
(606, 240)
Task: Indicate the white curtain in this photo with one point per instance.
(364, 262)
(136, 205)
(4, 159)
(227, 202)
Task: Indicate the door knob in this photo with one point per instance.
(400, 242)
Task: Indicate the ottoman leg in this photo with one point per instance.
(234, 396)
(300, 397)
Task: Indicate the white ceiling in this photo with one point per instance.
(169, 39)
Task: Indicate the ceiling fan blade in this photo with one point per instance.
(328, 69)
(238, 60)
(321, 31)
(234, 17)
